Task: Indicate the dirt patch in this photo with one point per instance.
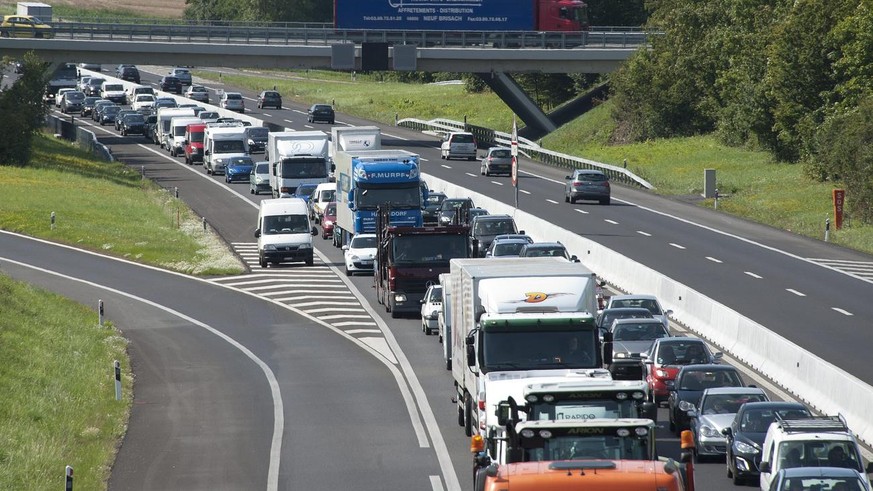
(152, 8)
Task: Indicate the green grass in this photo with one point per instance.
(752, 184)
(106, 207)
(58, 406)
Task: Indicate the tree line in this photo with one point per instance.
(792, 77)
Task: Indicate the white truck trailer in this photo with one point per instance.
(297, 158)
(354, 138)
(516, 321)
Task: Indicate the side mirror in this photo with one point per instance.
(717, 356)
(668, 312)
(765, 467)
(575, 259)
(257, 232)
(345, 247)
(521, 232)
(727, 431)
(692, 413)
(471, 355)
(670, 384)
(568, 177)
(648, 410)
(869, 468)
(206, 152)
(314, 231)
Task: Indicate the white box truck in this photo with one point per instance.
(178, 128)
(444, 319)
(297, 158)
(516, 321)
(354, 138)
(163, 130)
(221, 142)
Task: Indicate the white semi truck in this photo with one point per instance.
(354, 138)
(297, 158)
(517, 321)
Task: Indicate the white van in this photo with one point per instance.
(165, 117)
(323, 194)
(176, 137)
(284, 232)
(458, 145)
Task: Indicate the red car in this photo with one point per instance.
(667, 356)
(328, 220)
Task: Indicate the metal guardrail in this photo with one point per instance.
(84, 138)
(527, 148)
(303, 34)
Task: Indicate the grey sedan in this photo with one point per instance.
(497, 160)
(586, 184)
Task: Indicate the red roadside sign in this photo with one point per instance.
(839, 202)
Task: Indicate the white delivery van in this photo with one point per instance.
(222, 142)
(284, 232)
(165, 116)
(178, 128)
(323, 194)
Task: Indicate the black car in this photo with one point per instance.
(171, 84)
(99, 106)
(73, 102)
(484, 228)
(450, 207)
(107, 114)
(129, 73)
(151, 122)
(256, 139)
(745, 436)
(120, 116)
(321, 112)
(88, 105)
(431, 211)
(271, 98)
(689, 385)
(606, 316)
(133, 124)
(94, 86)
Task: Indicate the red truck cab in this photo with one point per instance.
(562, 15)
(194, 143)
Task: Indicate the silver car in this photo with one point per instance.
(715, 412)
(183, 74)
(587, 184)
(198, 93)
(232, 101)
(497, 160)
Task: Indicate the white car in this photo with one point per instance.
(143, 101)
(198, 93)
(431, 305)
(649, 302)
(232, 101)
(360, 254)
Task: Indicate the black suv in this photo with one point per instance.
(485, 227)
(269, 98)
(321, 112)
(450, 207)
(171, 84)
(129, 73)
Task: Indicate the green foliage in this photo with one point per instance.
(612, 13)
(845, 143)
(23, 111)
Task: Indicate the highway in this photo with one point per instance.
(759, 271)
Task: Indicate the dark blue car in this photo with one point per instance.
(239, 169)
(303, 191)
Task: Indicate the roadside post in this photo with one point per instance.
(100, 312)
(827, 229)
(117, 367)
(514, 153)
(53, 220)
(68, 478)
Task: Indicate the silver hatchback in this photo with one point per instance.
(587, 184)
(497, 160)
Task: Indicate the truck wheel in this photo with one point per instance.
(460, 415)
(310, 262)
(468, 415)
(262, 262)
(449, 364)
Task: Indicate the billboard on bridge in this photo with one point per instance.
(435, 15)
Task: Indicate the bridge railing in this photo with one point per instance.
(303, 34)
(83, 137)
(487, 137)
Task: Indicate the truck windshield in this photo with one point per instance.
(229, 146)
(196, 137)
(304, 169)
(408, 196)
(532, 347)
(585, 409)
(596, 446)
(428, 249)
(285, 224)
(66, 72)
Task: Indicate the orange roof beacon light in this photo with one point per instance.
(686, 441)
(477, 444)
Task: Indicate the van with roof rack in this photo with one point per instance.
(821, 441)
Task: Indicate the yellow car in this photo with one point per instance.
(24, 26)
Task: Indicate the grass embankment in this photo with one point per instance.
(106, 207)
(58, 404)
(753, 185)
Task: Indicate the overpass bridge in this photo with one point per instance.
(490, 55)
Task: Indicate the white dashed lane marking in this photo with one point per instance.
(791, 290)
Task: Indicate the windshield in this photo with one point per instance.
(818, 453)
(233, 96)
(706, 379)
(262, 168)
(435, 199)
(305, 189)
(228, 146)
(196, 137)
(728, 403)
(179, 130)
(501, 154)
(507, 248)
(494, 227)
(285, 224)
(408, 196)
(304, 169)
(758, 420)
(257, 132)
(648, 304)
(822, 484)
(113, 87)
(644, 331)
(517, 348)
(134, 118)
(74, 96)
(546, 252)
(585, 409)
(582, 447)
(363, 243)
(428, 250)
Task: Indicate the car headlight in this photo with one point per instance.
(269, 247)
(745, 448)
(328, 222)
(685, 406)
(251, 142)
(621, 355)
(305, 246)
(399, 297)
(709, 432)
(355, 258)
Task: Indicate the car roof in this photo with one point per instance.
(633, 297)
(491, 217)
(733, 390)
(708, 367)
(749, 406)
(819, 472)
(545, 245)
(637, 320)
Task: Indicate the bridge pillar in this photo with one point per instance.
(537, 123)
